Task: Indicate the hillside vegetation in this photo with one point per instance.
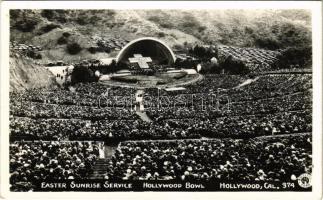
(56, 30)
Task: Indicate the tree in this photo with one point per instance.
(28, 24)
(47, 28)
(62, 40)
(234, 66)
(82, 74)
(73, 48)
(209, 67)
(58, 15)
(66, 34)
(205, 53)
(293, 56)
(112, 67)
(92, 50)
(49, 14)
(267, 43)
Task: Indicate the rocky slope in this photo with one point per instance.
(26, 74)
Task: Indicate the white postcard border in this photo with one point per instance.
(314, 6)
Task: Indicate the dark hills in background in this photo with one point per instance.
(269, 29)
(72, 35)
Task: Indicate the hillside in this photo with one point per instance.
(269, 29)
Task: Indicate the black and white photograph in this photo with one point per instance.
(161, 100)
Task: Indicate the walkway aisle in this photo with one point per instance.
(143, 116)
(101, 165)
(101, 150)
(100, 168)
(109, 151)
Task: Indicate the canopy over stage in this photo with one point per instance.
(153, 48)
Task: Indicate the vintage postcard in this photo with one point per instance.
(180, 99)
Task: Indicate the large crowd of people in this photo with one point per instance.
(93, 111)
(40, 110)
(266, 159)
(31, 162)
(246, 126)
(193, 107)
(91, 94)
(104, 130)
(227, 127)
(256, 59)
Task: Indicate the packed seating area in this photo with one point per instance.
(254, 128)
(266, 101)
(103, 130)
(256, 59)
(92, 94)
(212, 106)
(41, 110)
(246, 126)
(276, 85)
(34, 161)
(266, 159)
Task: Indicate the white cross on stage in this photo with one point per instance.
(142, 61)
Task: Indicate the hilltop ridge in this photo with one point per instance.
(271, 29)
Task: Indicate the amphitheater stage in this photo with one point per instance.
(163, 80)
